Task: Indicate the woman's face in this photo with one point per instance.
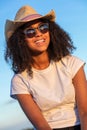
(37, 36)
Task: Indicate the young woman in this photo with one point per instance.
(49, 82)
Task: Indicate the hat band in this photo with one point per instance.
(29, 17)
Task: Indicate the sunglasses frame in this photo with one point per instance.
(34, 29)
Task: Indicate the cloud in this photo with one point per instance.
(9, 102)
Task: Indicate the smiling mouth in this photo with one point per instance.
(40, 42)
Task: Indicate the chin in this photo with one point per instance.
(37, 52)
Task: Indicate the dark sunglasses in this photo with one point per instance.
(31, 32)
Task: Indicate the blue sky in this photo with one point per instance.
(70, 15)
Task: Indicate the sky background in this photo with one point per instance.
(71, 15)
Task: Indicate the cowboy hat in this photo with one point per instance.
(25, 14)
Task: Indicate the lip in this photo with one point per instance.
(40, 42)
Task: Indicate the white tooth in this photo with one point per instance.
(40, 41)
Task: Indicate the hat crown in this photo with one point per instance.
(24, 11)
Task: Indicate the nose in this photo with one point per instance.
(38, 33)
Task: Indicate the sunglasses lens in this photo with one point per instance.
(30, 33)
(44, 28)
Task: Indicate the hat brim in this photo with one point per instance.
(11, 26)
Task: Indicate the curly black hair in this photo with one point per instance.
(19, 55)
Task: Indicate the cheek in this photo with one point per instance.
(48, 38)
(29, 42)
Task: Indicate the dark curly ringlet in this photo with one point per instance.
(61, 43)
(18, 52)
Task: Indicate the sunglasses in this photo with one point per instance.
(31, 32)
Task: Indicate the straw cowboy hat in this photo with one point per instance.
(25, 14)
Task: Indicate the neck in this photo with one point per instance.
(41, 61)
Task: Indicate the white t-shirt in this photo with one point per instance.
(52, 89)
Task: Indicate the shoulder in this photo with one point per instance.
(20, 77)
(19, 85)
(71, 60)
(70, 64)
